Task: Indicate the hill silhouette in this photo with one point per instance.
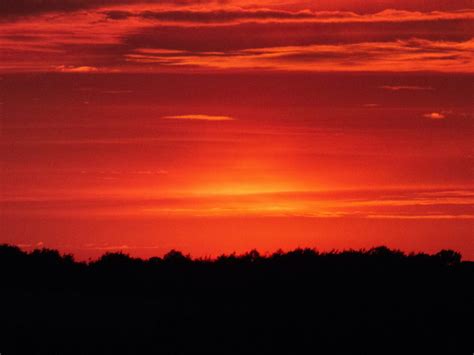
(376, 301)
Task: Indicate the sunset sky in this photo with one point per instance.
(221, 126)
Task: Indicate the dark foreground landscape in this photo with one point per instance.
(378, 301)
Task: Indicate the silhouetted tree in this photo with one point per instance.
(379, 301)
(449, 257)
(175, 257)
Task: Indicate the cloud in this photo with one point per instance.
(256, 15)
(401, 56)
(252, 34)
(384, 203)
(74, 69)
(199, 117)
(12, 8)
(15, 8)
(213, 16)
(406, 87)
(433, 216)
(435, 116)
(224, 15)
(371, 105)
(173, 37)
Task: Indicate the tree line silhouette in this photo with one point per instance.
(377, 301)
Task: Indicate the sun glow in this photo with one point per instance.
(241, 189)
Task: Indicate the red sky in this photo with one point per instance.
(221, 126)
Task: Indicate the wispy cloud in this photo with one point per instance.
(435, 116)
(241, 15)
(392, 203)
(18, 8)
(76, 69)
(371, 105)
(400, 56)
(406, 88)
(199, 117)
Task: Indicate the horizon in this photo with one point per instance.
(254, 253)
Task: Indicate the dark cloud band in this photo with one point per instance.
(15, 8)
